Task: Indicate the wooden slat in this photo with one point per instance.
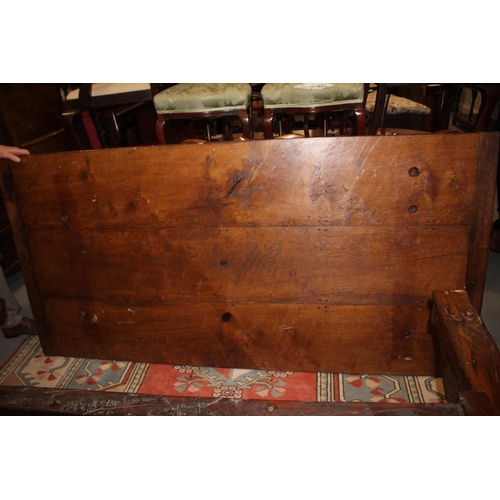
(353, 339)
(29, 400)
(393, 265)
(344, 181)
(480, 235)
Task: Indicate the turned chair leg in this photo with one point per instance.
(267, 123)
(160, 129)
(245, 123)
(342, 124)
(306, 124)
(360, 121)
(225, 127)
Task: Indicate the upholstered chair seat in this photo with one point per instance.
(308, 95)
(397, 105)
(382, 102)
(203, 97)
(295, 98)
(203, 100)
(108, 89)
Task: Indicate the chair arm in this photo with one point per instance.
(470, 359)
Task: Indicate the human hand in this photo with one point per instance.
(12, 153)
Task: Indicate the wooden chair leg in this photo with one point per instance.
(442, 110)
(68, 122)
(386, 105)
(225, 126)
(279, 122)
(384, 113)
(342, 123)
(267, 123)
(489, 99)
(457, 99)
(191, 129)
(111, 117)
(90, 129)
(360, 121)
(160, 129)
(288, 122)
(306, 124)
(245, 123)
(473, 103)
(171, 132)
(380, 108)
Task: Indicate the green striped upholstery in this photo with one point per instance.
(203, 97)
(308, 95)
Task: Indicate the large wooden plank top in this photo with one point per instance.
(314, 255)
(344, 181)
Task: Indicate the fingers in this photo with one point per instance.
(12, 153)
(19, 151)
(12, 157)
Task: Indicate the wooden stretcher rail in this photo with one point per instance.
(31, 401)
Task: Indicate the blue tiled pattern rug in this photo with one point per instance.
(29, 366)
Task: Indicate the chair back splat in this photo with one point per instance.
(315, 255)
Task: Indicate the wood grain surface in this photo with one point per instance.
(337, 181)
(470, 358)
(51, 402)
(313, 255)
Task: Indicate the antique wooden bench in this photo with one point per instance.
(355, 254)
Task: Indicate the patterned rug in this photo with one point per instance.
(28, 366)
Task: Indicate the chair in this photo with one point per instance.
(489, 94)
(112, 99)
(194, 101)
(306, 98)
(489, 97)
(381, 101)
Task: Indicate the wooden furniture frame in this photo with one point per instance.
(112, 106)
(165, 118)
(490, 95)
(349, 254)
(384, 92)
(357, 108)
